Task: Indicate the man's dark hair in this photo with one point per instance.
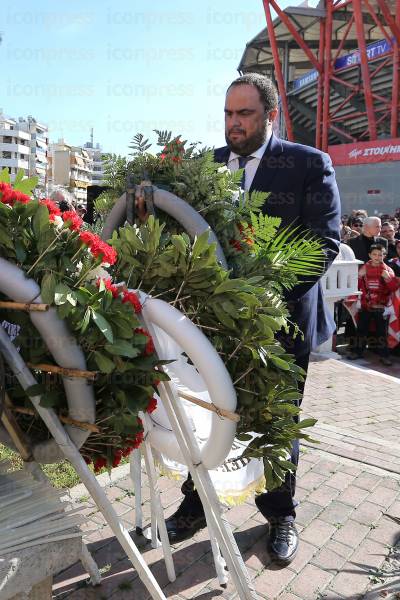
(265, 86)
(377, 247)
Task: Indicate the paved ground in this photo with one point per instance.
(349, 513)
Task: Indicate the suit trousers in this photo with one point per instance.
(279, 502)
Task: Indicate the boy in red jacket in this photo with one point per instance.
(376, 281)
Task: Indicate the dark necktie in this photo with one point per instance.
(243, 160)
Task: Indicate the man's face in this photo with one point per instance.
(373, 229)
(246, 122)
(376, 257)
(387, 232)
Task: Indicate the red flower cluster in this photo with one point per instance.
(152, 405)
(133, 299)
(99, 463)
(110, 286)
(236, 244)
(149, 349)
(10, 196)
(98, 248)
(52, 207)
(246, 233)
(72, 220)
(174, 151)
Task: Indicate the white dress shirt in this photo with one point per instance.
(252, 165)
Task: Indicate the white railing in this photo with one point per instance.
(339, 282)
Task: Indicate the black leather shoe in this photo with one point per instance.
(185, 522)
(283, 540)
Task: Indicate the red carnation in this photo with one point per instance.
(98, 248)
(152, 405)
(99, 464)
(133, 299)
(117, 458)
(52, 207)
(109, 286)
(72, 220)
(149, 348)
(10, 196)
(6, 193)
(126, 451)
(236, 244)
(21, 198)
(87, 237)
(139, 437)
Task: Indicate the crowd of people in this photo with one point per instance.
(375, 241)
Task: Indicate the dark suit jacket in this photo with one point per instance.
(360, 249)
(303, 192)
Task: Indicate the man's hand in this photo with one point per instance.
(386, 275)
(140, 205)
(362, 272)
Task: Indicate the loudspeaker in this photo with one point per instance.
(93, 192)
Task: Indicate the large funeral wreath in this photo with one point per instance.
(241, 310)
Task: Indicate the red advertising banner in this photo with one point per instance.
(362, 153)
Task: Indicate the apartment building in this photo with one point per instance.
(39, 144)
(24, 145)
(96, 156)
(15, 146)
(71, 167)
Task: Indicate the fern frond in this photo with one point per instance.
(164, 137)
(139, 145)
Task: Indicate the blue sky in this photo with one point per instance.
(124, 68)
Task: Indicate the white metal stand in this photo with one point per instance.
(220, 532)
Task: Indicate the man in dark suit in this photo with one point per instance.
(303, 192)
(370, 235)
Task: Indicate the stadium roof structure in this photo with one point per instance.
(336, 67)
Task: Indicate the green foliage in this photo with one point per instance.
(239, 316)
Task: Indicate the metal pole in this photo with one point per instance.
(369, 105)
(394, 116)
(278, 70)
(327, 75)
(320, 88)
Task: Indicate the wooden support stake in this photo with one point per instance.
(64, 371)
(209, 406)
(25, 306)
(67, 420)
(14, 431)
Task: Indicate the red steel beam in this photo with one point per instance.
(320, 85)
(394, 115)
(382, 118)
(328, 68)
(394, 26)
(284, 18)
(342, 41)
(342, 104)
(381, 66)
(338, 5)
(278, 71)
(344, 133)
(356, 88)
(369, 104)
(377, 22)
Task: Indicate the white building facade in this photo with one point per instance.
(24, 145)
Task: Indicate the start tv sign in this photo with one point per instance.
(362, 153)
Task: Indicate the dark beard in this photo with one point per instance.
(248, 145)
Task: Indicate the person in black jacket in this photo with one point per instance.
(303, 192)
(370, 235)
